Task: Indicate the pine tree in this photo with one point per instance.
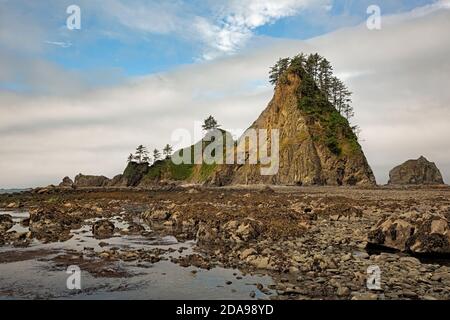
(130, 158)
(325, 76)
(312, 66)
(210, 124)
(156, 155)
(167, 151)
(340, 97)
(278, 69)
(357, 131)
(141, 154)
(319, 85)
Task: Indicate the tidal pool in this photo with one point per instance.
(31, 273)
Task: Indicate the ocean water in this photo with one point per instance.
(3, 191)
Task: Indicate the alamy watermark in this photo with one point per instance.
(373, 278)
(73, 22)
(374, 20)
(73, 282)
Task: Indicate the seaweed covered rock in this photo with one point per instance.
(51, 224)
(103, 229)
(242, 231)
(6, 222)
(414, 232)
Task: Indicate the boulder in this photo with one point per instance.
(103, 229)
(85, 181)
(413, 232)
(66, 183)
(247, 253)
(340, 212)
(206, 234)
(416, 172)
(50, 224)
(156, 215)
(242, 231)
(134, 228)
(12, 205)
(260, 262)
(45, 190)
(6, 223)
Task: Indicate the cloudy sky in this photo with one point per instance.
(76, 101)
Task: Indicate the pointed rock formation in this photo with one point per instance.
(315, 148)
(416, 172)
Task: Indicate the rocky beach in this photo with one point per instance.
(256, 242)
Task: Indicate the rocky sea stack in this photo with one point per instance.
(416, 172)
(317, 144)
(305, 132)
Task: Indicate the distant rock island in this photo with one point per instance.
(416, 172)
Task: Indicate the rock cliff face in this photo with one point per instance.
(416, 172)
(318, 149)
(132, 176)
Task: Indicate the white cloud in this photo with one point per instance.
(255, 13)
(60, 44)
(227, 27)
(236, 21)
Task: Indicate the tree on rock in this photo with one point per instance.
(210, 124)
(312, 66)
(156, 155)
(319, 85)
(141, 155)
(167, 151)
(278, 69)
(340, 97)
(325, 77)
(130, 158)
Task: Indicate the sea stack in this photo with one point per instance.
(316, 146)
